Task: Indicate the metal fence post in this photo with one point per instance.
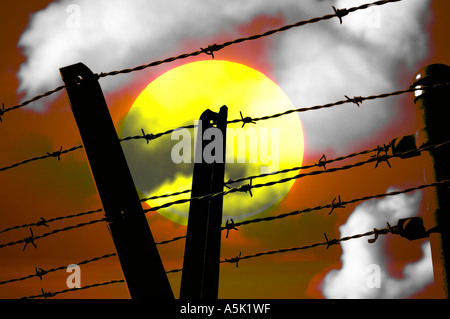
(433, 109)
(200, 277)
(141, 264)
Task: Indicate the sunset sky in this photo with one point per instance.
(374, 51)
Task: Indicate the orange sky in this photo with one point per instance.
(49, 188)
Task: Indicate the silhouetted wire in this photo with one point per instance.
(339, 13)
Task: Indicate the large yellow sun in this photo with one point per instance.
(178, 98)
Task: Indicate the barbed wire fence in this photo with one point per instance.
(381, 155)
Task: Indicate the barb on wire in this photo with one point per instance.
(246, 120)
(147, 137)
(322, 162)
(234, 260)
(330, 242)
(29, 240)
(336, 205)
(357, 100)
(56, 154)
(230, 226)
(211, 49)
(39, 273)
(382, 158)
(340, 13)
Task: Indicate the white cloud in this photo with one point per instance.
(357, 255)
(358, 58)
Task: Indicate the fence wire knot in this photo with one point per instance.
(42, 222)
(230, 226)
(29, 240)
(148, 137)
(246, 120)
(322, 162)
(330, 242)
(247, 188)
(211, 49)
(234, 260)
(356, 99)
(336, 205)
(40, 272)
(56, 154)
(47, 294)
(340, 13)
(382, 158)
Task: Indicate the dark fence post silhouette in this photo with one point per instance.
(434, 106)
(141, 264)
(200, 277)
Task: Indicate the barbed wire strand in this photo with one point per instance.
(339, 13)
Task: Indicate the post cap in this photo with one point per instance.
(429, 75)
